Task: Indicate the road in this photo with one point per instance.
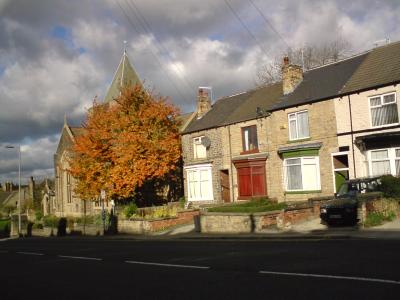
(116, 268)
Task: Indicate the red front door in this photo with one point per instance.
(251, 180)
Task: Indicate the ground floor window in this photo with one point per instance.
(251, 179)
(384, 161)
(302, 174)
(199, 183)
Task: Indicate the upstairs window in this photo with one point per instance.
(384, 110)
(198, 148)
(249, 139)
(298, 125)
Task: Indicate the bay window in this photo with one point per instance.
(384, 161)
(384, 110)
(298, 125)
(302, 174)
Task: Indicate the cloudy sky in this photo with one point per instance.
(57, 55)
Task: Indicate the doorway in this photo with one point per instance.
(340, 163)
(225, 188)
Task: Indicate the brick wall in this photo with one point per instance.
(322, 126)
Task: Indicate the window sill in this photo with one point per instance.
(299, 140)
(302, 192)
(249, 152)
(384, 126)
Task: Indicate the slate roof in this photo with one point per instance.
(77, 131)
(237, 108)
(377, 67)
(124, 76)
(380, 67)
(322, 83)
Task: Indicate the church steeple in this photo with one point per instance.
(124, 76)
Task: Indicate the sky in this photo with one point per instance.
(57, 55)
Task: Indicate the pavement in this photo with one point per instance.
(310, 229)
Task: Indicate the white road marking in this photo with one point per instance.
(30, 253)
(165, 265)
(80, 257)
(333, 277)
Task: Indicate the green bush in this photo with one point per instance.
(5, 226)
(390, 186)
(130, 210)
(256, 205)
(37, 226)
(38, 215)
(182, 202)
(50, 221)
(377, 218)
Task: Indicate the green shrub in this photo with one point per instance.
(130, 210)
(50, 221)
(182, 202)
(390, 186)
(256, 205)
(38, 215)
(37, 226)
(5, 226)
(377, 218)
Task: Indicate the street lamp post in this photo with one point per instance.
(19, 185)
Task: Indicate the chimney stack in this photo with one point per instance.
(203, 101)
(292, 76)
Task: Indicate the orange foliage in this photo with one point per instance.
(125, 144)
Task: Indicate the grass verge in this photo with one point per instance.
(262, 205)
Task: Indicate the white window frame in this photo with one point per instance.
(392, 158)
(297, 125)
(318, 188)
(199, 168)
(339, 169)
(196, 144)
(370, 108)
(246, 138)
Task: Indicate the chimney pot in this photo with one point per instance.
(286, 60)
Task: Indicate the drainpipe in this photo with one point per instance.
(231, 163)
(352, 138)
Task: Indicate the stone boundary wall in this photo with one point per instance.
(149, 226)
(214, 222)
(377, 205)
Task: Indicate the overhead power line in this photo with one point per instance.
(245, 27)
(152, 52)
(269, 23)
(148, 29)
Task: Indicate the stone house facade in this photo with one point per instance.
(301, 137)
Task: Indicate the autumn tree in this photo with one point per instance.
(126, 144)
(309, 57)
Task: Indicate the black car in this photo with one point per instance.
(343, 208)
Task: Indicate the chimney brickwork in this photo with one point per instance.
(292, 76)
(203, 101)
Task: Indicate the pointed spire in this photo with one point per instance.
(65, 119)
(124, 76)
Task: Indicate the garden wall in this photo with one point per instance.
(139, 226)
(216, 222)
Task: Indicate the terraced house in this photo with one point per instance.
(300, 137)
